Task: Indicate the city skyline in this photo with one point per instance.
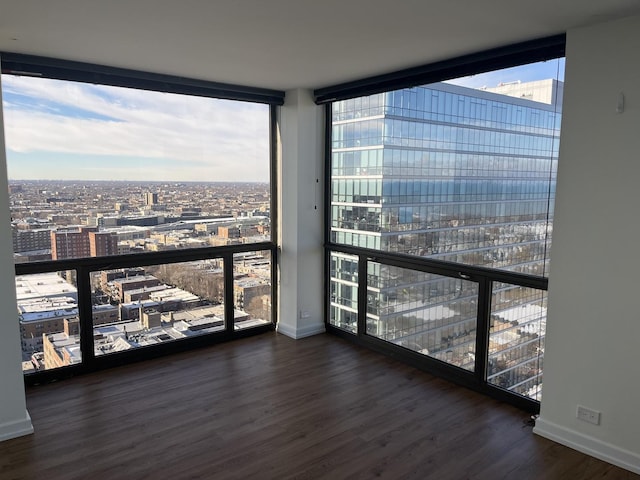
(61, 130)
(134, 182)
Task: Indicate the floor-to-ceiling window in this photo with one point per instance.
(440, 218)
(142, 211)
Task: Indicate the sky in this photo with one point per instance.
(523, 73)
(60, 130)
(74, 131)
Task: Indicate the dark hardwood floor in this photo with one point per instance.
(269, 407)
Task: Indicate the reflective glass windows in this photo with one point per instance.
(461, 171)
(430, 314)
(343, 291)
(516, 339)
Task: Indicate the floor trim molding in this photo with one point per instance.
(16, 428)
(302, 332)
(589, 445)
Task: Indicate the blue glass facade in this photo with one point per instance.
(460, 174)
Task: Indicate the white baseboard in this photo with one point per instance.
(589, 445)
(296, 333)
(16, 428)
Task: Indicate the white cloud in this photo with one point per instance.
(231, 138)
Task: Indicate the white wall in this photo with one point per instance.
(592, 355)
(14, 419)
(300, 235)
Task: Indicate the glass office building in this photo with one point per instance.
(455, 174)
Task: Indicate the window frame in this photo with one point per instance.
(44, 67)
(475, 63)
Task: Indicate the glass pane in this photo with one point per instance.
(96, 170)
(142, 306)
(424, 312)
(49, 323)
(516, 339)
(252, 289)
(343, 297)
(461, 171)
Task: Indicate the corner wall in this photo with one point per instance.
(14, 419)
(300, 233)
(593, 328)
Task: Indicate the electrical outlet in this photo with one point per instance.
(587, 415)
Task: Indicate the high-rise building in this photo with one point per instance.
(102, 244)
(455, 174)
(78, 242)
(29, 240)
(448, 172)
(71, 242)
(150, 198)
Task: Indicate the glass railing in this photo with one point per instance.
(516, 339)
(481, 326)
(431, 314)
(343, 291)
(81, 314)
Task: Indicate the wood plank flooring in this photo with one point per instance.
(269, 407)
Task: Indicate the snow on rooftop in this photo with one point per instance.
(169, 294)
(43, 285)
(70, 344)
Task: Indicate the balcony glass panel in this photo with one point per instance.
(516, 339)
(252, 290)
(424, 312)
(343, 295)
(150, 305)
(49, 322)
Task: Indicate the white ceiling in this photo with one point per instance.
(284, 44)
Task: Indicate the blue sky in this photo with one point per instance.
(73, 131)
(524, 73)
